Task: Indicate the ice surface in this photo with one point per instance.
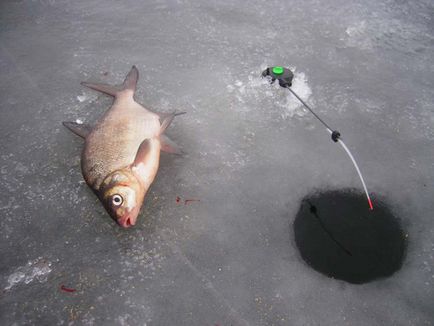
(252, 153)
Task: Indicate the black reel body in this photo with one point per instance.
(282, 74)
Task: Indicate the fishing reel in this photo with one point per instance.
(282, 74)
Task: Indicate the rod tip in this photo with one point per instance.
(370, 205)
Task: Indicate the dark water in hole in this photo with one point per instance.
(339, 236)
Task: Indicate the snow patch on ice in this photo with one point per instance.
(302, 89)
(357, 36)
(81, 98)
(123, 320)
(36, 269)
(257, 91)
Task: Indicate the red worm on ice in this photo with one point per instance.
(186, 201)
(190, 200)
(70, 290)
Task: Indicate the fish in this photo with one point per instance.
(121, 152)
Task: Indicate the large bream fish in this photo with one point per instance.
(121, 153)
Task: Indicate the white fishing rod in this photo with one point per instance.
(285, 76)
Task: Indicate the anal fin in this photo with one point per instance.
(169, 146)
(163, 115)
(80, 129)
(166, 119)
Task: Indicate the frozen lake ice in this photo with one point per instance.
(252, 154)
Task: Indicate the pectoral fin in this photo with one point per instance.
(80, 129)
(143, 152)
(169, 146)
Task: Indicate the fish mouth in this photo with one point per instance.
(128, 220)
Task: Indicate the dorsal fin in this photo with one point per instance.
(130, 81)
(129, 84)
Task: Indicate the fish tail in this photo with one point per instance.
(104, 88)
(129, 84)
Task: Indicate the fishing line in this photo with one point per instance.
(314, 211)
(285, 76)
(310, 109)
(341, 142)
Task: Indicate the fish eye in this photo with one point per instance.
(117, 200)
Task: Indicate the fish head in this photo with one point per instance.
(122, 196)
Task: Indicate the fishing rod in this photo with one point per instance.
(285, 77)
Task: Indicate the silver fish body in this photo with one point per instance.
(114, 141)
(121, 154)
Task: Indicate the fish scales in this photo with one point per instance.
(115, 139)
